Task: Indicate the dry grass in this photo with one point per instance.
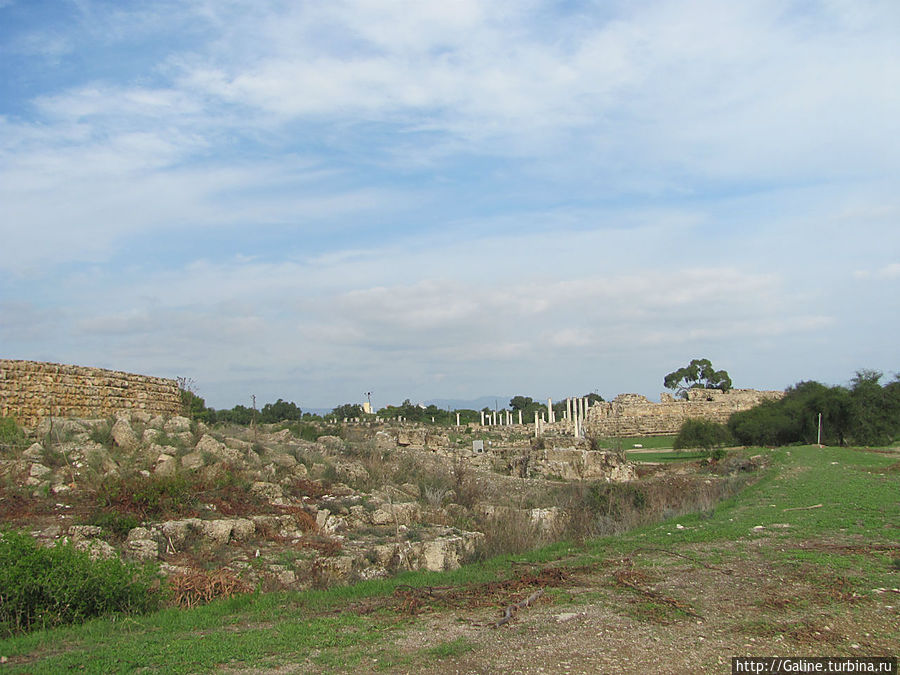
(199, 587)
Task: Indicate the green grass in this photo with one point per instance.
(649, 442)
(666, 456)
(324, 628)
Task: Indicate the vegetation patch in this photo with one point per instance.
(45, 587)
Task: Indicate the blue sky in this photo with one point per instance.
(446, 200)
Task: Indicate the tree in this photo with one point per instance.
(520, 402)
(348, 411)
(280, 411)
(703, 434)
(699, 374)
(874, 409)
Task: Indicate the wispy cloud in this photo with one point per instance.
(473, 195)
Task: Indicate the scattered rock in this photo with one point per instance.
(177, 424)
(123, 435)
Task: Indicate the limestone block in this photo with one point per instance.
(193, 460)
(336, 569)
(124, 435)
(330, 443)
(150, 435)
(446, 553)
(38, 470)
(384, 441)
(265, 490)
(242, 529)
(177, 425)
(238, 444)
(78, 532)
(411, 438)
(351, 471)
(437, 441)
(142, 549)
(166, 465)
(97, 549)
(178, 531)
(34, 451)
(209, 445)
(218, 531)
(412, 490)
(280, 459)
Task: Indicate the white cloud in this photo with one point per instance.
(887, 272)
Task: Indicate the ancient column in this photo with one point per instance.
(482, 418)
(520, 418)
(457, 419)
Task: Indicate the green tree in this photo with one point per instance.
(698, 374)
(280, 411)
(520, 402)
(348, 411)
(703, 434)
(874, 409)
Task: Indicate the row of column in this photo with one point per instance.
(505, 418)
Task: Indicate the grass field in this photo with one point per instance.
(802, 562)
(664, 456)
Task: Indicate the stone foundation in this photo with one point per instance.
(31, 391)
(634, 415)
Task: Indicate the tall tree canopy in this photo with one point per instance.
(698, 374)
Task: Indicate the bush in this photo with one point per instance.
(45, 587)
(702, 434)
(11, 435)
(149, 496)
(115, 523)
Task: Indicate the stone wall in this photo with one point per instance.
(31, 391)
(634, 415)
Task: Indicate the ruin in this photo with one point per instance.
(630, 415)
(31, 391)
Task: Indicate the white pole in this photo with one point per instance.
(819, 434)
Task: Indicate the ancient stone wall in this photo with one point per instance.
(31, 391)
(634, 415)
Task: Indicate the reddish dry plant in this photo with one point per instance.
(304, 519)
(324, 545)
(198, 587)
(308, 488)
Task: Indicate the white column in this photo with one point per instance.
(457, 419)
(520, 418)
(568, 408)
(536, 427)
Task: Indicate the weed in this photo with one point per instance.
(102, 434)
(148, 496)
(117, 524)
(43, 587)
(12, 437)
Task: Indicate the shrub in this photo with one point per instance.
(11, 434)
(44, 587)
(702, 434)
(117, 524)
(102, 434)
(148, 496)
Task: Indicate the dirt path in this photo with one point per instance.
(660, 613)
